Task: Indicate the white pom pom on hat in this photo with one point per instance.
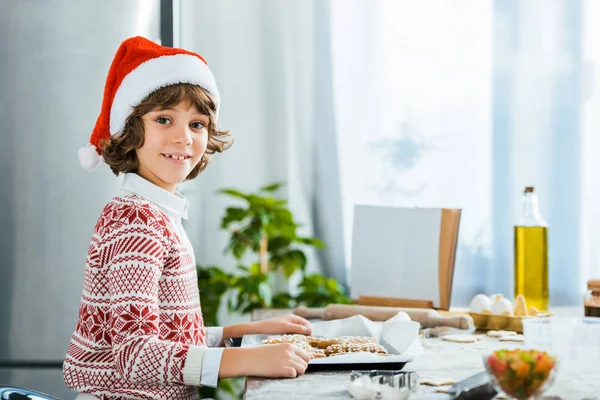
(89, 157)
(139, 68)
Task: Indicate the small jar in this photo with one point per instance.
(592, 299)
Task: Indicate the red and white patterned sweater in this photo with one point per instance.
(140, 332)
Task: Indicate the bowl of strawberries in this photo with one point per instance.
(521, 374)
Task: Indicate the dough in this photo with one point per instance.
(438, 382)
(513, 338)
(499, 334)
(461, 338)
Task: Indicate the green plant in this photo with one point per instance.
(213, 283)
(266, 226)
(251, 290)
(263, 232)
(316, 290)
(227, 389)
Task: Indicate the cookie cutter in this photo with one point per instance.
(395, 384)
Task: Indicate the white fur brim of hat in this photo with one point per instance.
(145, 79)
(153, 75)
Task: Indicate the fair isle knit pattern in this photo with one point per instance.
(140, 309)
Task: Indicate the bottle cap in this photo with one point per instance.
(529, 189)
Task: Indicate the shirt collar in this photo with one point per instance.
(172, 203)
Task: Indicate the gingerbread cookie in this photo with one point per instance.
(300, 345)
(317, 353)
(358, 339)
(323, 343)
(277, 339)
(351, 347)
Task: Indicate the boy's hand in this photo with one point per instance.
(279, 361)
(274, 361)
(289, 323)
(274, 326)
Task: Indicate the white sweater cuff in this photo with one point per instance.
(192, 369)
(214, 336)
(211, 366)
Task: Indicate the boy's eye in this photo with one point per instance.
(198, 125)
(163, 120)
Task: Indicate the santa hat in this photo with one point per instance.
(139, 68)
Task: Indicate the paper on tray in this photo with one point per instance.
(399, 335)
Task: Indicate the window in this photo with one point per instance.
(460, 104)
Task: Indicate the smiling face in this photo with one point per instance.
(169, 137)
(174, 141)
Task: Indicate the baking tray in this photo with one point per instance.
(387, 366)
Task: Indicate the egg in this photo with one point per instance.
(520, 306)
(533, 311)
(480, 304)
(495, 297)
(502, 307)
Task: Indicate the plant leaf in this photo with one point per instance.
(318, 291)
(233, 214)
(292, 261)
(257, 203)
(252, 233)
(283, 216)
(238, 249)
(332, 285)
(299, 257)
(289, 267)
(238, 242)
(255, 269)
(234, 193)
(311, 241)
(283, 300)
(272, 187)
(265, 218)
(278, 242)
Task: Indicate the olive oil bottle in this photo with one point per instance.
(531, 253)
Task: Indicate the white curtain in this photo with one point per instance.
(540, 93)
(433, 103)
(272, 65)
(461, 104)
(589, 232)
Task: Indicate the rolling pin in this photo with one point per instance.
(428, 318)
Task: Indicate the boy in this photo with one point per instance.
(140, 333)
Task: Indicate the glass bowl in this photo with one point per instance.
(521, 374)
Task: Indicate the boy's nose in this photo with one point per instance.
(183, 135)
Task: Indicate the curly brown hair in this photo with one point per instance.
(119, 151)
